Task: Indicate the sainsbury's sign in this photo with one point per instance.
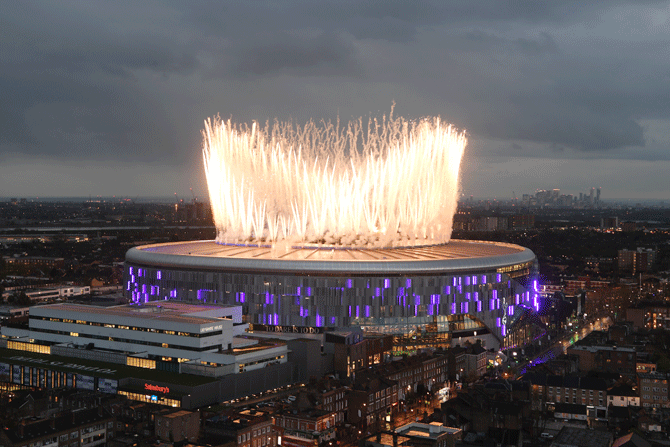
(160, 389)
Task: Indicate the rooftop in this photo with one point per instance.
(45, 427)
(432, 431)
(455, 255)
(581, 437)
(172, 311)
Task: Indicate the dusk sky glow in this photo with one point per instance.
(108, 98)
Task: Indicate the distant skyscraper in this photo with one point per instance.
(598, 195)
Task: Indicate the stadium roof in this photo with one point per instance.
(455, 256)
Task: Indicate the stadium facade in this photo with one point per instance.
(425, 296)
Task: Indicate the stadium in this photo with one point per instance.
(433, 295)
(317, 231)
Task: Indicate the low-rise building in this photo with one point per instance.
(622, 396)
(582, 437)
(248, 428)
(204, 340)
(649, 315)
(416, 434)
(327, 394)
(551, 390)
(113, 349)
(304, 428)
(373, 400)
(622, 360)
(653, 390)
(427, 371)
(177, 426)
(77, 429)
(353, 352)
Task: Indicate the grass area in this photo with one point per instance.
(117, 371)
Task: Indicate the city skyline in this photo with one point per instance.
(109, 99)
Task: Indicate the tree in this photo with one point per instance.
(20, 299)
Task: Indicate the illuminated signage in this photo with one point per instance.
(287, 329)
(160, 389)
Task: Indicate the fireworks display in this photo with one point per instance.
(384, 183)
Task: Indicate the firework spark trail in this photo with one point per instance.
(390, 183)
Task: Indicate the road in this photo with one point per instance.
(561, 345)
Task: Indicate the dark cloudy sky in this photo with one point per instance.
(102, 98)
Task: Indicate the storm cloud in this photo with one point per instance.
(113, 81)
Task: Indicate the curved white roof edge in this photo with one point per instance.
(146, 256)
